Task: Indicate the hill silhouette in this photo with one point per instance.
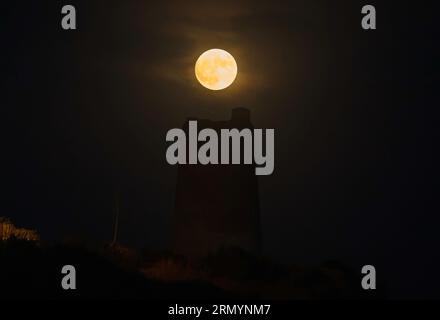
(30, 270)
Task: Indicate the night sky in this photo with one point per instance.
(86, 112)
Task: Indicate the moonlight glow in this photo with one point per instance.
(216, 69)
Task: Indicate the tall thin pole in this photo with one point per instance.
(116, 223)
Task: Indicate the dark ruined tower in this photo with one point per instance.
(217, 205)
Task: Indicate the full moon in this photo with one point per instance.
(216, 69)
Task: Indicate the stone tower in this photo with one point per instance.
(217, 205)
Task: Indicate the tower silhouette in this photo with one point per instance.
(217, 205)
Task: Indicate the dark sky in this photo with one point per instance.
(355, 126)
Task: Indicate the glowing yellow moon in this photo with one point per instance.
(216, 69)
